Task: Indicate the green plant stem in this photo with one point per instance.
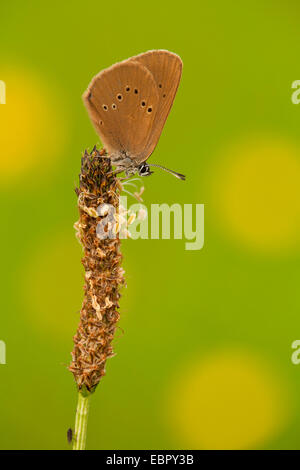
(81, 421)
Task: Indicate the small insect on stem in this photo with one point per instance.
(70, 435)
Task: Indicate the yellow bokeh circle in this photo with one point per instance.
(52, 283)
(229, 400)
(256, 194)
(32, 124)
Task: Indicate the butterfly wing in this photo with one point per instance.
(122, 102)
(166, 68)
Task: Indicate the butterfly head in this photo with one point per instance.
(144, 169)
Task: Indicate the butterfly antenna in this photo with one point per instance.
(174, 173)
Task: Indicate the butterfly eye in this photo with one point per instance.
(114, 106)
(160, 85)
(143, 104)
(136, 91)
(149, 110)
(104, 106)
(144, 169)
(119, 97)
(127, 88)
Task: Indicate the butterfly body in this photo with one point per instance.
(129, 103)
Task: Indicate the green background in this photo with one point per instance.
(205, 358)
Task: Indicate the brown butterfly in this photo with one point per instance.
(129, 103)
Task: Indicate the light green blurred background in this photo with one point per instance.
(205, 359)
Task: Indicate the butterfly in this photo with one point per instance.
(128, 104)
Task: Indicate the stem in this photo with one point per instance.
(81, 421)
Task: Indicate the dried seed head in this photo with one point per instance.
(103, 274)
